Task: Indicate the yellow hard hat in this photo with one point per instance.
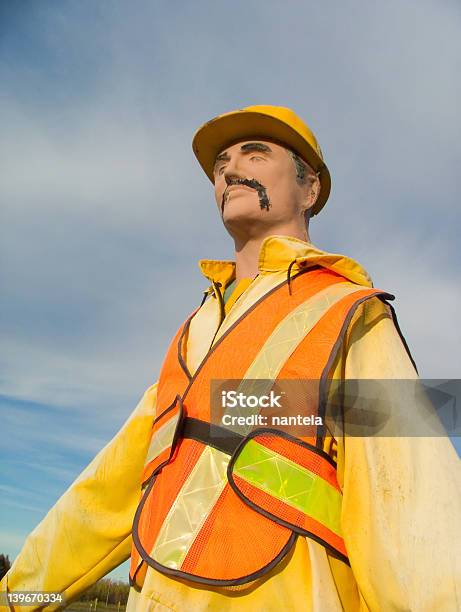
(275, 123)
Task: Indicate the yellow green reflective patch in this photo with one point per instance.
(290, 483)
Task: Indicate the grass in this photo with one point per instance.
(88, 606)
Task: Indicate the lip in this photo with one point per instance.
(227, 192)
(234, 187)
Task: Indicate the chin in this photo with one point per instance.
(244, 223)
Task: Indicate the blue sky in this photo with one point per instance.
(104, 210)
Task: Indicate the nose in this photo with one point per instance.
(233, 170)
(230, 177)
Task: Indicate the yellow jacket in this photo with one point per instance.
(401, 511)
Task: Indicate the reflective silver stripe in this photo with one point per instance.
(162, 438)
(191, 508)
(282, 342)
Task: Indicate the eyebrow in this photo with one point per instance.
(246, 148)
(221, 157)
(255, 146)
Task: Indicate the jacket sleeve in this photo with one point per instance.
(87, 533)
(401, 515)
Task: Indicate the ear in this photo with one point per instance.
(312, 191)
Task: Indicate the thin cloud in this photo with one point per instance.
(30, 508)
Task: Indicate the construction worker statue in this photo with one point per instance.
(217, 517)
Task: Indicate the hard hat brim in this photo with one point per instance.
(225, 130)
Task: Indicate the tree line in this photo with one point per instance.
(5, 565)
(107, 591)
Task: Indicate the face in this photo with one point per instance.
(256, 188)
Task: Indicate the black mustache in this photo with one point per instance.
(253, 184)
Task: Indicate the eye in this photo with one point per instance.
(256, 158)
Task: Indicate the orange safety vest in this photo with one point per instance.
(221, 509)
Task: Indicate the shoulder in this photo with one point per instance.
(369, 314)
(374, 345)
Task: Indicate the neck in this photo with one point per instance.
(247, 249)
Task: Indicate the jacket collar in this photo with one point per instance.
(278, 252)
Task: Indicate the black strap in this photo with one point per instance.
(212, 435)
(402, 337)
